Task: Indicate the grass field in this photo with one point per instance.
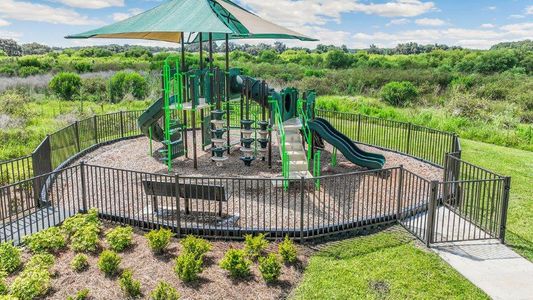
(386, 265)
(519, 165)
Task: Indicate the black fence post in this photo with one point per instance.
(432, 207)
(83, 188)
(302, 198)
(399, 196)
(122, 124)
(95, 125)
(408, 146)
(177, 196)
(77, 134)
(505, 206)
(358, 127)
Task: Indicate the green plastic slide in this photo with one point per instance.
(346, 146)
(150, 119)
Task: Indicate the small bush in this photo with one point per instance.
(95, 89)
(79, 263)
(188, 266)
(108, 262)
(3, 284)
(287, 251)
(158, 240)
(78, 221)
(196, 246)
(80, 295)
(85, 239)
(41, 261)
(28, 71)
(83, 67)
(8, 297)
(120, 238)
(31, 284)
(10, 259)
(123, 83)
(48, 240)
(270, 267)
(236, 262)
(399, 93)
(164, 291)
(66, 85)
(255, 245)
(128, 285)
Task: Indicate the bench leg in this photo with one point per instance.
(187, 210)
(154, 204)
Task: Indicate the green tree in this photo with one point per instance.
(66, 85)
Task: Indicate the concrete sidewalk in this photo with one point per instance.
(491, 266)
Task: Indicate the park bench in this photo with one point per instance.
(186, 191)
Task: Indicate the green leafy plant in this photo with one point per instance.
(158, 240)
(123, 83)
(128, 285)
(8, 297)
(80, 295)
(79, 263)
(108, 262)
(78, 221)
(255, 245)
(66, 85)
(41, 261)
(48, 240)
(197, 246)
(3, 285)
(120, 238)
(399, 93)
(164, 291)
(270, 267)
(236, 262)
(10, 259)
(287, 250)
(31, 284)
(86, 239)
(188, 266)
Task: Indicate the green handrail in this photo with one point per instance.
(307, 132)
(316, 169)
(285, 163)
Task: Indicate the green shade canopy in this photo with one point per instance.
(169, 20)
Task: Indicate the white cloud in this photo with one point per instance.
(471, 38)
(430, 22)
(401, 21)
(491, 8)
(10, 35)
(529, 10)
(487, 25)
(27, 11)
(92, 4)
(4, 23)
(123, 16)
(398, 8)
(516, 16)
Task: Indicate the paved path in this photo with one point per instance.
(491, 266)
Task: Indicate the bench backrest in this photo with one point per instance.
(187, 191)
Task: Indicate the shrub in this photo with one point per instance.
(79, 221)
(196, 246)
(399, 93)
(7, 71)
(48, 240)
(188, 266)
(79, 263)
(123, 83)
(80, 295)
(120, 238)
(40, 261)
(128, 285)
(8, 297)
(66, 85)
(236, 262)
(255, 245)
(287, 250)
(83, 67)
(270, 267)
(3, 284)
(95, 89)
(164, 291)
(85, 239)
(28, 71)
(108, 262)
(31, 284)
(9, 257)
(158, 240)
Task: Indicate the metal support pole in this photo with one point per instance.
(77, 134)
(432, 207)
(409, 138)
(302, 198)
(95, 125)
(227, 94)
(177, 197)
(122, 123)
(399, 196)
(505, 206)
(83, 188)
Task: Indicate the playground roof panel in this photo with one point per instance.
(167, 21)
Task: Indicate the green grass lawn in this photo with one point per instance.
(386, 265)
(519, 165)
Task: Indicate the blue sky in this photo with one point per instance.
(355, 23)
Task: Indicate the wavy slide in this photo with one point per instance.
(348, 148)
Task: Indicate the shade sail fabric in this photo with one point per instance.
(167, 21)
